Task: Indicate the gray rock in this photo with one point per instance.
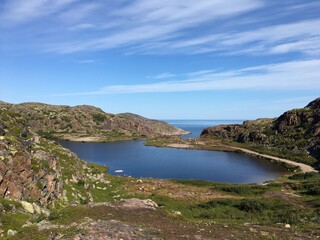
(135, 203)
(2, 132)
(11, 233)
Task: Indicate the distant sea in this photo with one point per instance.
(196, 126)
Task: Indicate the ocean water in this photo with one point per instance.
(196, 126)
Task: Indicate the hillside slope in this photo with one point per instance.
(295, 134)
(88, 123)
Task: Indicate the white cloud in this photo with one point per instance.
(296, 75)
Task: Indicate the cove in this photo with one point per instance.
(138, 160)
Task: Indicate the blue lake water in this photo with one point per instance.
(137, 160)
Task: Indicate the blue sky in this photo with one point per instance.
(165, 59)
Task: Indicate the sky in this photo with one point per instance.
(163, 59)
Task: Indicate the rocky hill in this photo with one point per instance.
(88, 123)
(38, 170)
(295, 134)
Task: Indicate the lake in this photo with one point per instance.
(137, 160)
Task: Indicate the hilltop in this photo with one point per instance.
(88, 123)
(294, 135)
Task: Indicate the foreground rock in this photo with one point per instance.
(110, 229)
(135, 203)
(38, 172)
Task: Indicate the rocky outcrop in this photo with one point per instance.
(297, 131)
(38, 172)
(87, 121)
(26, 172)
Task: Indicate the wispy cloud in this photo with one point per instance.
(87, 61)
(155, 21)
(296, 75)
(21, 11)
(302, 36)
(163, 75)
(165, 26)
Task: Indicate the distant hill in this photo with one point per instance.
(295, 134)
(88, 123)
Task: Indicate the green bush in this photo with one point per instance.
(313, 190)
(98, 117)
(304, 176)
(252, 206)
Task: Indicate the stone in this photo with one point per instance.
(11, 233)
(28, 207)
(135, 203)
(45, 212)
(24, 133)
(177, 213)
(36, 208)
(2, 132)
(287, 226)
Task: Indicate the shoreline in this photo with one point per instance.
(303, 167)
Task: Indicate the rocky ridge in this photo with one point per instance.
(88, 123)
(296, 131)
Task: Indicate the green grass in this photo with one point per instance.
(13, 221)
(236, 189)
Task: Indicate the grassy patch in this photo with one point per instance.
(237, 189)
(13, 221)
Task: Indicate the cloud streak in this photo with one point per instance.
(289, 76)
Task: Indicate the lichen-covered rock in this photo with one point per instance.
(28, 207)
(11, 233)
(135, 203)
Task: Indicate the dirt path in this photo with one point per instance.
(304, 167)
